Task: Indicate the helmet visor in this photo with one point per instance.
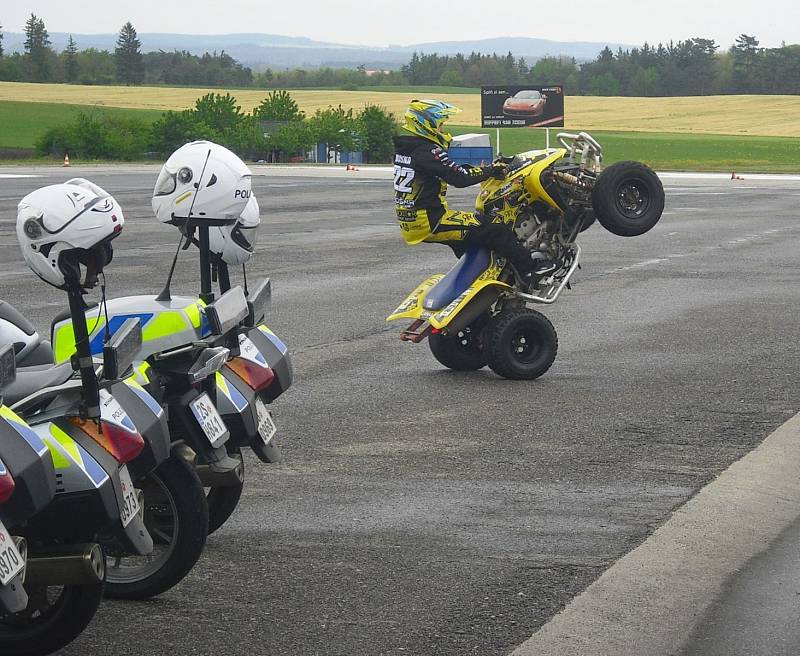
(245, 238)
(166, 183)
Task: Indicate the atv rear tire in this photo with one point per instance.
(520, 344)
(628, 199)
(462, 351)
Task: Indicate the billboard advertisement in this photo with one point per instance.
(522, 106)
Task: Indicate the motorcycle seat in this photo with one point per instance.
(29, 347)
(30, 380)
(9, 313)
(458, 279)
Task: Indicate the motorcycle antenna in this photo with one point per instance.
(166, 294)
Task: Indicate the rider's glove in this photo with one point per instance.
(497, 170)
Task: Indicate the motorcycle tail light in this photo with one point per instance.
(6, 483)
(121, 443)
(256, 376)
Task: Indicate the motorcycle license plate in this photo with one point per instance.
(266, 425)
(129, 504)
(208, 418)
(11, 561)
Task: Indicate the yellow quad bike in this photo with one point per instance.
(479, 312)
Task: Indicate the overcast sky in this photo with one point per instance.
(403, 22)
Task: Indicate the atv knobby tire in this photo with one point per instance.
(520, 344)
(628, 199)
(461, 351)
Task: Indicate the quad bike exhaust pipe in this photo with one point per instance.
(73, 564)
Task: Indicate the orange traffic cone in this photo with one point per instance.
(66, 159)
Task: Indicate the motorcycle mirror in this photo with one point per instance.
(122, 349)
(8, 365)
(257, 302)
(227, 311)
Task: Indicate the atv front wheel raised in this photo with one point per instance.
(520, 344)
(628, 199)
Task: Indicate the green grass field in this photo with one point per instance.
(669, 151)
(21, 123)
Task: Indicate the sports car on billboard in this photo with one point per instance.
(525, 103)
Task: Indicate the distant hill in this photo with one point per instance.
(261, 50)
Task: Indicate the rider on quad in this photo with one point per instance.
(422, 171)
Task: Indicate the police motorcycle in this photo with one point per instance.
(205, 191)
(54, 496)
(97, 405)
(480, 312)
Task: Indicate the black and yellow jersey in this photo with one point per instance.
(422, 171)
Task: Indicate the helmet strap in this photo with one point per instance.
(82, 360)
(206, 291)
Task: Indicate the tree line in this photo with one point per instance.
(693, 67)
(275, 131)
(39, 62)
(696, 66)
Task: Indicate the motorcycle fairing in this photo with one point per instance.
(88, 487)
(29, 462)
(76, 470)
(276, 355)
(150, 421)
(165, 325)
(529, 175)
(229, 399)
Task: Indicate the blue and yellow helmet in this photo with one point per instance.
(425, 118)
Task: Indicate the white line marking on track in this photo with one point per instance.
(12, 176)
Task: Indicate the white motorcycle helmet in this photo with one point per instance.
(205, 178)
(234, 244)
(60, 227)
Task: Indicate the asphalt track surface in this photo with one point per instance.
(421, 511)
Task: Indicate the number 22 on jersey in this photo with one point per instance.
(403, 177)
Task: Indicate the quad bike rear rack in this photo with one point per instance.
(556, 285)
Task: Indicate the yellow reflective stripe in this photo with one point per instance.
(182, 198)
(163, 324)
(66, 443)
(140, 374)
(8, 413)
(193, 312)
(64, 338)
(223, 385)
